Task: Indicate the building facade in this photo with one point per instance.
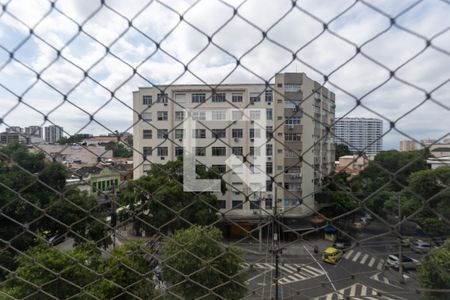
(407, 145)
(298, 142)
(35, 131)
(360, 134)
(53, 133)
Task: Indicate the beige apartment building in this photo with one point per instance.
(407, 145)
(299, 140)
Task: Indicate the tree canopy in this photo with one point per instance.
(157, 202)
(434, 273)
(198, 265)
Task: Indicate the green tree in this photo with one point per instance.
(198, 265)
(74, 139)
(34, 199)
(119, 150)
(47, 273)
(83, 273)
(341, 150)
(158, 203)
(129, 269)
(434, 273)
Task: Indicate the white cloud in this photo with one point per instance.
(325, 52)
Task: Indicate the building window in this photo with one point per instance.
(218, 97)
(269, 114)
(180, 97)
(219, 133)
(147, 116)
(269, 95)
(236, 204)
(292, 137)
(199, 133)
(237, 133)
(199, 115)
(162, 151)
(220, 169)
(162, 133)
(219, 151)
(198, 98)
(146, 100)
(221, 204)
(290, 154)
(292, 87)
(200, 151)
(290, 103)
(236, 97)
(255, 151)
(236, 115)
(269, 168)
(179, 151)
(162, 98)
(269, 149)
(163, 115)
(179, 133)
(147, 134)
(255, 97)
(268, 202)
(255, 133)
(269, 186)
(255, 115)
(292, 120)
(147, 151)
(218, 115)
(179, 115)
(269, 132)
(255, 204)
(237, 150)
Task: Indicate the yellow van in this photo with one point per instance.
(332, 255)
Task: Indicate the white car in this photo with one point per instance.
(407, 262)
(420, 246)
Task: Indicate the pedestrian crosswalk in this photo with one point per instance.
(358, 291)
(383, 279)
(289, 273)
(364, 259)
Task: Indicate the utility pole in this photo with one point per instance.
(275, 245)
(400, 254)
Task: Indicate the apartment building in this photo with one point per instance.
(53, 133)
(360, 134)
(298, 140)
(407, 145)
(35, 131)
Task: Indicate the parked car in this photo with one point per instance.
(406, 241)
(366, 219)
(408, 263)
(420, 246)
(57, 239)
(332, 255)
(342, 243)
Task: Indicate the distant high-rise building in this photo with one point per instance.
(427, 142)
(407, 145)
(360, 134)
(35, 131)
(14, 129)
(53, 133)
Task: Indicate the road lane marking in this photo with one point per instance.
(371, 262)
(365, 257)
(348, 254)
(380, 265)
(358, 254)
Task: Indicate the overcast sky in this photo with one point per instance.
(418, 68)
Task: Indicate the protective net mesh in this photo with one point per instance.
(107, 217)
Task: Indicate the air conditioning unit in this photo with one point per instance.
(252, 140)
(269, 158)
(180, 140)
(236, 139)
(255, 212)
(165, 104)
(296, 108)
(291, 126)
